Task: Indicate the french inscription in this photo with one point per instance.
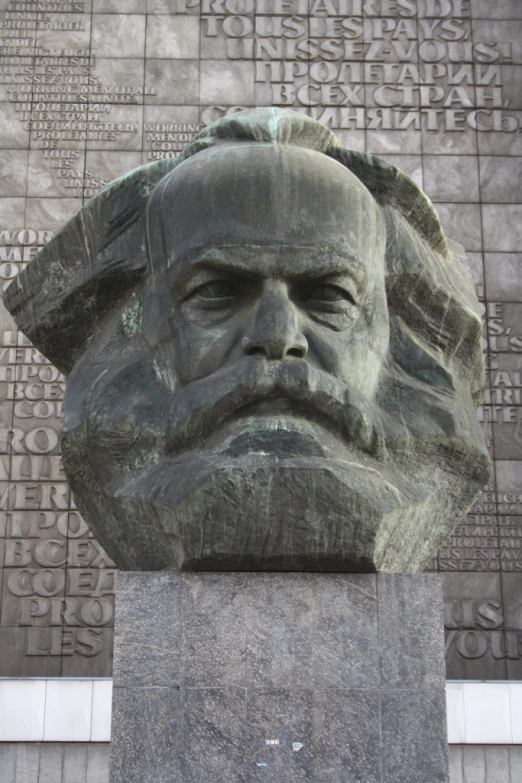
(355, 65)
(420, 69)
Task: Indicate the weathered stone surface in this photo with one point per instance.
(414, 742)
(294, 710)
(212, 737)
(147, 631)
(214, 643)
(348, 742)
(274, 356)
(411, 608)
(286, 715)
(269, 631)
(144, 736)
(309, 632)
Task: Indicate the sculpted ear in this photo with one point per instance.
(83, 272)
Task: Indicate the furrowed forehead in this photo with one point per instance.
(258, 195)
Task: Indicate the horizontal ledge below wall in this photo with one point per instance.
(79, 710)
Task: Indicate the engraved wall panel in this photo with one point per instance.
(91, 89)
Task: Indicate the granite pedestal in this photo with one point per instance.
(279, 677)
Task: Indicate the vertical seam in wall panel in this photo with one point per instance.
(92, 711)
(45, 710)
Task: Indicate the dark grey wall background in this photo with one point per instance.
(89, 90)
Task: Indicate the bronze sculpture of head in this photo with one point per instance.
(274, 357)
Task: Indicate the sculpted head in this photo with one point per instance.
(266, 270)
(274, 358)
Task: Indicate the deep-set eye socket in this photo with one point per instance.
(320, 298)
(215, 290)
(325, 294)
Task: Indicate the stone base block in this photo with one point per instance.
(279, 677)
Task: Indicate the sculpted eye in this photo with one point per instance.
(327, 293)
(330, 293)
(216, 289)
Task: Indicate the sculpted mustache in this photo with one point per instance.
(202, 406)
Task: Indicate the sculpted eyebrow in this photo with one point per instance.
(213, 258)
(311, 267)
(335, 264)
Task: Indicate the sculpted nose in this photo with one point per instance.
(274, 331)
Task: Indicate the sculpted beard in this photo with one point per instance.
(200, 407)
(162, 455)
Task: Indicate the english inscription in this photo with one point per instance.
(394, 77)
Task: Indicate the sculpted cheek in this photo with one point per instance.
(202, 351)
(377, 320)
